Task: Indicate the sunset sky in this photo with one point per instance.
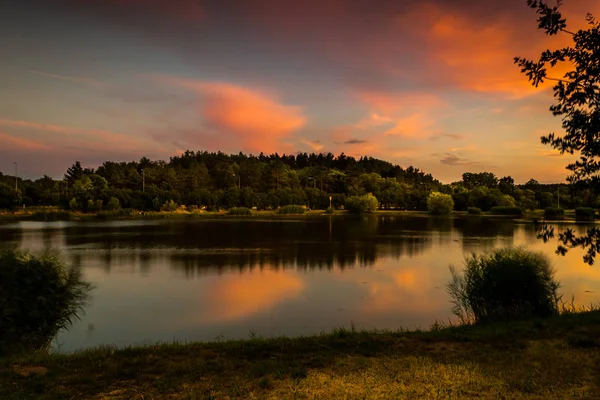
(425, 83)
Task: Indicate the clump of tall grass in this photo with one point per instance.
(474, 210)
(240, 211)
(39, 296)
(506, 284)
(292, 210)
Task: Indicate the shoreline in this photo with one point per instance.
(542, 358)
(48, 215)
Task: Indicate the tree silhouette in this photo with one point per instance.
(577, 102)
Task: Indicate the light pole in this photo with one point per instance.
(330, 201)
(16, 176)
(143, 181)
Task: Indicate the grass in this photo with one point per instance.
(553, 358)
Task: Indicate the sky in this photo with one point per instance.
(427, 83)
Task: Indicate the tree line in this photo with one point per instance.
(220, 181)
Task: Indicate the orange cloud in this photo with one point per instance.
(257, 121)
(315, 146)
(237, 296)
(415, 126)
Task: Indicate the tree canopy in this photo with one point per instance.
(577, 103)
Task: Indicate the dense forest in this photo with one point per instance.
(219, 181)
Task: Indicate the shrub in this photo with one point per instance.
(113, 204)
(292, 210)
(584, 214)
(39, 296)
(73, 204)
(554, 213)
(474, 210)
(240, 211)
(330, 210)
(514, 211)
(440, 203)
(506, 284)
(362, 204)
(51, 215)
(170, 206)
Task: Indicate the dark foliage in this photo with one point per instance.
(577, 103)
(506, 284)
(585, 214)
(39, 296)
(554, 213)
(513, 211)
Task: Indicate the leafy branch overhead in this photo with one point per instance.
(577, 102)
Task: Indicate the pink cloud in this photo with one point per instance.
(85, 138)
(254, 120)
(9, 142)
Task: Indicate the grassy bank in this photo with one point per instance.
(45, 214)
(555, 358)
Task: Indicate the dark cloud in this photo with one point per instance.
(447, 135)
(355, 141)
(454, 160)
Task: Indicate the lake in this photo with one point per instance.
(214, 279)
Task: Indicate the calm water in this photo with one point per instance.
(210, 279)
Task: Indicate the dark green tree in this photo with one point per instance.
(577, 103)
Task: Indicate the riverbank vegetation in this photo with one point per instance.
(216, 181)
(39, 296)
(540, 359)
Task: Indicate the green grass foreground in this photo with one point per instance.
(557, 358)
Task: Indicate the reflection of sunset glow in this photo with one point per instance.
(238, 296)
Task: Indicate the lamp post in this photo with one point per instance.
(330, 198)
(16, 176)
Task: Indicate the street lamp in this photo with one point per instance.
(16, 176)
(330, 201)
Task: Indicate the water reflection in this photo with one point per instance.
(197, 280)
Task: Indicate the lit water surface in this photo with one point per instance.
(222, 279)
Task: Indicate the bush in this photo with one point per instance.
(240, 211)
(362, 204)
(514, 211)
(474, 210)
(170, 206)
(554, 213)
(584, 214)
(73, 204)
(39, 296)
(292, 210)
(51, 215)
(506, 284)
(330, 210)
(113, 204)
(440, 203)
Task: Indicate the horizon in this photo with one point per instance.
(422, 84)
